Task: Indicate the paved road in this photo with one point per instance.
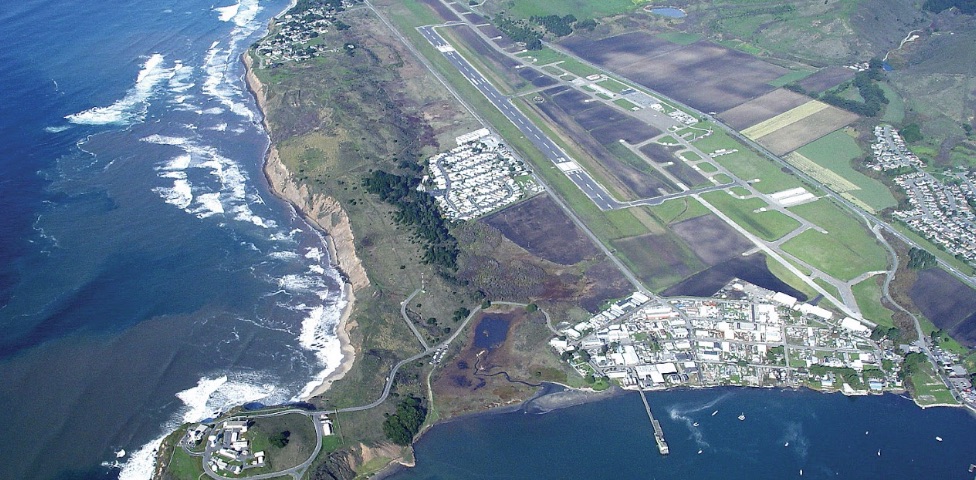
(413, 328)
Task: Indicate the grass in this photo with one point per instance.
(895, 110)
(582, 9)
(835, 152)
(928, 388)
(544, 56)
(681, 38)
(690, 156)
(769, 225)
(613, 85)
(868, 296)
(677, 210)
(829, 287)
(792, 77)
(300, 445)
(746, 164)
(846, 251)
(578, 68)
(624, 103)
(657, 270)
(788, 117)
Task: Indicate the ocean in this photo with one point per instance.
(147, 275)
(784, 434)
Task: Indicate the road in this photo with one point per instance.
(413, 328)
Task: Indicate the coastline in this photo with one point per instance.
(337, 232)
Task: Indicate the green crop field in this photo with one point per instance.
(582, 9)
(868, 296)
(847, 250)
(769, 225)
(792, 77)
(835, 152)
(681, 38)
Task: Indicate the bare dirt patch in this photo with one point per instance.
(798, 134)
(826, 78)
(703, 75)
(535, 78)
(762, 108)
(948, 303)
(752, 269)
(442, 10)
(658, 260)
(630, 129)
(543, 229)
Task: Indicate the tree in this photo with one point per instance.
(531, 308)
(485, 304)
(912, 133)
(280, 439)
(403, 425)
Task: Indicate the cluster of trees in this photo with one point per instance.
(518, 31)
(461, 314)
(867, 86)
(419, 210)
(912, 133)
(302, 5)
(919, 259)
(403, 425)
(554, 24)
(879, 332)
(848, 374)
(965, 6)
(558, 26)
(280, 439)
(912, 363)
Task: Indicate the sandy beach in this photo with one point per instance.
(339, 237)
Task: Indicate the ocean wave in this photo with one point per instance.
(229, 196)
(56, 129)
(131, 108)
(210, 396)
(227, 13)
(319, 336)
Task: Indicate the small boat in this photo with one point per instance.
(801, 472)
(120, 453)
(865, 432)
(699, 452)
(879, 452)
(694, 424)
(742, 416)
(938, 439)
(715, 413)
(786, 444)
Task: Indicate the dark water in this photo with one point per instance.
(491, 331)
(829, 436)
(147, 276)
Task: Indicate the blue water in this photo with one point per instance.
(829, 436)
(669, 12)
(147, 275)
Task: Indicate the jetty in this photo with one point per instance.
(662, 445)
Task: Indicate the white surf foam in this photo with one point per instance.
(210, 396)
(133, 106)
(57, 129)
(227, 13)
(319, 336)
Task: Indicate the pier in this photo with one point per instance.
(662, 445)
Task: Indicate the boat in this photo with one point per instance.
(786, 444)
(938, 439)
(801, 472)
(694, 424)
(879, 452)
(715, 413)
(742, 416)
(699, 452)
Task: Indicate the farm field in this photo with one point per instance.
(543, 229)
(949, 303)
(792, 77)
(659, 260)
(784, 119)
(762, 108)
(797, 134)
(826, 79)
(582, 9)
(835, 152)
(768, 225)
(846, 251)
(723, 77)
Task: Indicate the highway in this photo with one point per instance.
(559, 158)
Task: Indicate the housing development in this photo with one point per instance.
(478, 176)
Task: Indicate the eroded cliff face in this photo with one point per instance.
(325, 213)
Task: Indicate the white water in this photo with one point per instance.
(133, 106)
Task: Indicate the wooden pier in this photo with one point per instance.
(662, 445)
